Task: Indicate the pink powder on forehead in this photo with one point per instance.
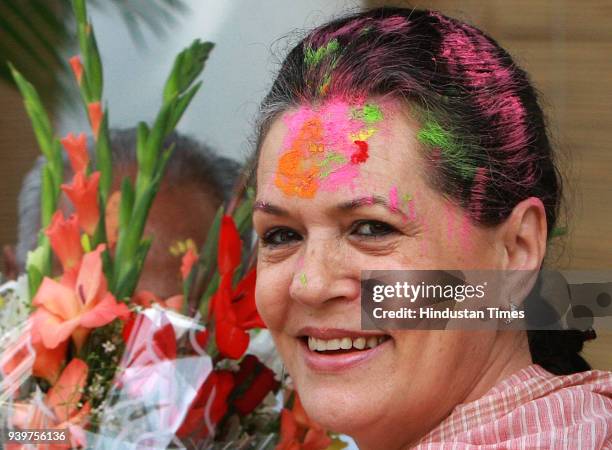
(393, 198)
(322, 138)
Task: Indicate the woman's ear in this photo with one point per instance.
(524, 235)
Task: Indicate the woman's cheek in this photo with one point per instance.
(272, 300)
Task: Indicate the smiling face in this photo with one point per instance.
(342, 189)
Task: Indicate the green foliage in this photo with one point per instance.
(34, 31)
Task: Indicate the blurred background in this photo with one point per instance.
(566, 46)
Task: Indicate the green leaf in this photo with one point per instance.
(187, 67)
(80, 11)
(141, 144)
(104, 161)
(48, 197)
(36, 112)
(127, 203)
(181, 105)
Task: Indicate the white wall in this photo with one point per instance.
(236, 77)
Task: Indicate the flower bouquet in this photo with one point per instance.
(86, 360)
(81, 352)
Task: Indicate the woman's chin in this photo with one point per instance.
(344, 409)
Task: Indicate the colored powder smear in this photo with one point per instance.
(321, 151)
(393, 198)
(313, 57)
(303, 279)
(444, 147)
(361, 154)
(369, 113)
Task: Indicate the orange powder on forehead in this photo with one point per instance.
(298, 168)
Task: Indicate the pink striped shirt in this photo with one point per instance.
(532, 409)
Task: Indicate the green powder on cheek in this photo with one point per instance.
(303, 279)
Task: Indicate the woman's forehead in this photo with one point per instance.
(336, 146)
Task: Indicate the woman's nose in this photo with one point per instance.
(324, 274)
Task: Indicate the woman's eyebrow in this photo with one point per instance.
(369, 200)
(355, 203)
(269, 208)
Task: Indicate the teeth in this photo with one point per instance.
(333, 344)
(359, 343)
(346, 343)
(312, 345)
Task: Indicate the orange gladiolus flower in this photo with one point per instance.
(65, 238)
(189, 259)
(65, 311)
(298, 432)
(76, 147)
(77, 67)
(83, 193)
(60, 408)
(25, 355)
(95, 117)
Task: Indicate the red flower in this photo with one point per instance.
(83, 192)
(209, 406)
(259, 380)
(76, 147)
(233, 310)
(95, 117)
(298, 432)
(65, 238)
(77, 68)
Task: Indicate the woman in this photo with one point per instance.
(404, 139)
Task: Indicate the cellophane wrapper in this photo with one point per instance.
(160, 372)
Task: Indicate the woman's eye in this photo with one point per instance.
(372, 228)
(280, 236)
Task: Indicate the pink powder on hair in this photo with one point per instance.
(346, 30)
(477, 196)
(393, 24)
(472, 55)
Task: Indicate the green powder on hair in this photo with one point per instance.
(433, 135)
(313, 57)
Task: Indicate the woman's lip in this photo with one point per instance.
(334, 333)
(337, 362)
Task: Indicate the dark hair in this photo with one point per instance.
(483, 133)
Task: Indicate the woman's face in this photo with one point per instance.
(342, 189)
